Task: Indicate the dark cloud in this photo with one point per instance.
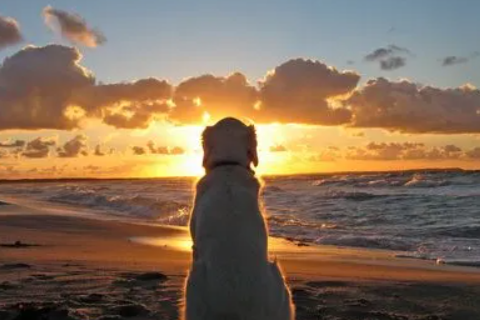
(278, 148)
(75, 147)
(145, 91)
(126, 105)
(137, 150)
(156, 150)
(218, 96)
(12, 144)
(73, 27)
(298, 91)
(35, 87)
(39, 147)
(392, 63)
(9, 32)
(47, 88)
(98, 151)
(408, 107)
(152, 148)
(389, 58)
(454, 60)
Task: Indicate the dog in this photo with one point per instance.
(231, 277)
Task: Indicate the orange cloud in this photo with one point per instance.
(298, 91)
(218, 96)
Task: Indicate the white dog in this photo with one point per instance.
(231, 277)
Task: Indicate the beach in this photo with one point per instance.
(55, 265)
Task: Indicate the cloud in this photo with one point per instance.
(407, 107)
(298, 91)
(74, 147)
(403, 151)
(47, 88)
(177, 151)
(39, 147)
(156, 150)
(9, 32)
(454, 60)
(73, 27)
(396, 151)
(278, 148)
(98, 151)
(126, 105)
(137, 150)
(218, 96)
(35, 87)
(392, 63)
(473, 153)
(152, 148)
(389, 58)
(12, 144)
(147, 91)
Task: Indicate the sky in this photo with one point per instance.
(124, 89)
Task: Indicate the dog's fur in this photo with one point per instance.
(231, 277)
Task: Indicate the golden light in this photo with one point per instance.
(206, 117)
(197, 101)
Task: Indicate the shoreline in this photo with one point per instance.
(91, 268)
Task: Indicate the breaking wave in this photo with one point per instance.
(134, 206)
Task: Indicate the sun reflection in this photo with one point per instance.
(175, 243)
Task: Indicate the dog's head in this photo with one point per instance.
(229, 141)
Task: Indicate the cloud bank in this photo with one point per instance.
(408, 107)
(395, 151)
(48, 88)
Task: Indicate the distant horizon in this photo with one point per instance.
(73, 179)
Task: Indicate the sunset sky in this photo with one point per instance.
(124, 88)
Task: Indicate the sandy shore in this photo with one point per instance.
(55, 266)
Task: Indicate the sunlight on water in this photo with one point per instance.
(176, 243)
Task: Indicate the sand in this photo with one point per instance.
(56, 265)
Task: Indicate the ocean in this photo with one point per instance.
(431, 214)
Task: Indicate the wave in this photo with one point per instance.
(469, 232)
(364, 241)
(421, 181)
(352, 195)
(417, 180)
(132, 206)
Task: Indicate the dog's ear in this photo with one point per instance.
(206, 145)
(252, 145)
